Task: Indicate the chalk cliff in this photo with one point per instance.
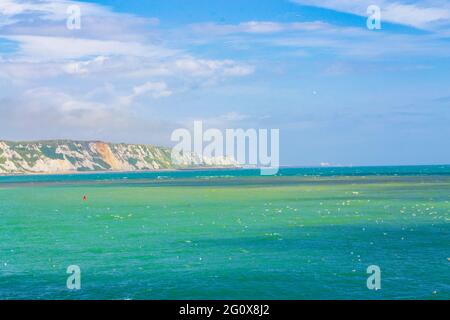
(58, 156)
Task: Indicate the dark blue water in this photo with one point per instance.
(189, 174)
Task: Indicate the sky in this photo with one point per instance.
(339, 93)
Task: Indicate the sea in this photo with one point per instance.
(305, 233)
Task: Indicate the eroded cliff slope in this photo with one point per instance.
(59, 156)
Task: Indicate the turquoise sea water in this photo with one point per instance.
(307, 233)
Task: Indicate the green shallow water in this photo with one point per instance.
(227, 234)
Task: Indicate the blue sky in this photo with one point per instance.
(339, 92)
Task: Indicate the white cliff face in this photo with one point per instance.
(72, 156)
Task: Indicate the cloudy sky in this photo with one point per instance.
(138, 69)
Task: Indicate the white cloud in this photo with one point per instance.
(187, 67)
(257, 27)
(369, 45)
(54, 48)
(102, 78)
(207, 68)
(422, 14)
(50, 113)
(107, 42)
(421, 17)
(17, 71)
(155, 89)
(52, 106)
(311, 37)
(115, 48)
(84, 67)
(48, 9)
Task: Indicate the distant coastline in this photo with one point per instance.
(119, 171)
(73, 157)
